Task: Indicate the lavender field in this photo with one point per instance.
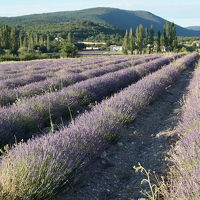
(57, 118)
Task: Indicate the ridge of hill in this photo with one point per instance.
(122, 19)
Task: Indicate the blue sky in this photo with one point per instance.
(182, 12)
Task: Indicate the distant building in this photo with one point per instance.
(59, 39)
(196, 43)
(193, 43)
(115, 48)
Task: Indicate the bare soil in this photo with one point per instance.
(147, 141)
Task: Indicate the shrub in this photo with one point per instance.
(68, 50)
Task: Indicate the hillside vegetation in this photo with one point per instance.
(81, 29)
(123, 19)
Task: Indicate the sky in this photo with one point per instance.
(182, 12)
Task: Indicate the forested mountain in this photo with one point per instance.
(122, 19)
(81, 30)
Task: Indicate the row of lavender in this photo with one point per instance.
(48, 73)
(21, 120)
(53, 67)
(42, 167)
(18, 67)
(185, 174)
(9, 96)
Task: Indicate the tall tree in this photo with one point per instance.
(139, 38)
(125, 43)
(41, 40)
(30, 41)
(48, 43)
(6, 36)
(14, 41)
(151, 39)
(25, 41)
(20, 40)
(36, 40)
(146, 36)
(146, 39)
(1, 35)
(70, 38)
(166, 34)
(174, 41)
(158, 42)
(131, 41)
(162, 43)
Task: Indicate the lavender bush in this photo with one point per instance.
(31, 115)
(40, 168)
(16, 82)
(185, 172)
(9, 96)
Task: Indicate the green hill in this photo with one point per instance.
(81, 30)
(122, 19)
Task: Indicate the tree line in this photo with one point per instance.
(145, 41)
(17, 44)
(15, 41)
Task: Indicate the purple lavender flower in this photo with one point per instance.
(186, 154)
(57, 158)
(21, 120)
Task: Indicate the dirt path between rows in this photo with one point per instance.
(146, 141)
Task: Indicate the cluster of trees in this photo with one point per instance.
(18, 44)
(145, 41)
(32, 41)
(35, 41)
(69, 48)
(82, 30)
(9, 39)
